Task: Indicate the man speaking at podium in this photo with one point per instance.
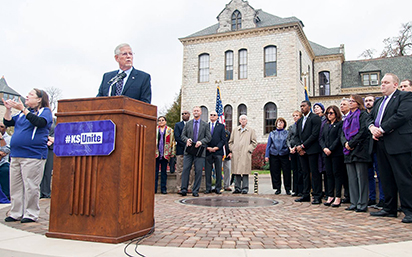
(127, 80)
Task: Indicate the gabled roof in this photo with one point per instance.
(264, 19)
(400, 65)
(321, 50)
(4, 88)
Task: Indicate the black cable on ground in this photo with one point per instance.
(137, 241)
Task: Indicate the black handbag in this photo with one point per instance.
(197, 152)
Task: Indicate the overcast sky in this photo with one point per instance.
(69, 44)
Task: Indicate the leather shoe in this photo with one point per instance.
(295, 194)
(237, 191)
(335, 205)
(277, 192)
(218, 192)
(27, 220)
(345, 200)
(288, 192)
(350, 208)
(244, 192)
(195, 194)
(407, 219)
(228, 189)
(302, 199)
(183, 193)
(383, 213)
(208, 192)
(361, 210)
(164, 192)
(316, 201)
(10, 219)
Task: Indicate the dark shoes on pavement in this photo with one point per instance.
(383, 213)
(316, 201)
(345, 200)
(407, 219)
(302, 199)
(27, 220)
(10, 219)
(277, 192)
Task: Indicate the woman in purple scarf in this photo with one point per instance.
(355, 141)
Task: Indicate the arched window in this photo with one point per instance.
(270, 61)
(204, 68)
(243, 64)
(205, 114)
(271, 114)
(228, 117)
(241, 109)
(236, 20)
(229, 65)
(324, 83)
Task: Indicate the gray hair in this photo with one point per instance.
(117, 49)
(345, 99)
(242, 116)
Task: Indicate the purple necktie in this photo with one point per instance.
(378, 118)
(195, 131)
(119, 87)
(213, 127)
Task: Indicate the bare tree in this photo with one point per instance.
(400, 45)
(54, 95)
(367, 54)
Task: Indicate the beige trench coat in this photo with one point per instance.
(242, 145)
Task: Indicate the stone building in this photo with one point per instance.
(7, 92)
(262, 63)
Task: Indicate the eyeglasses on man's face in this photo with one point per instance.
(213, 114)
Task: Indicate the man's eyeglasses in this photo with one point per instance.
(126, 53)
(213, 114)
(184, 113)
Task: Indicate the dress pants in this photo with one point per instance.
(278, 164)
(334, 173)
(45, 190)
(188, 161)
(227, 172)
(217, 161)
(5, 179)
(297, 173)
(163, 175)
(241, 182)
(310, 166)
(179, 170)
(25, 177)
(358, 184)
(396, 175)
(372, 181)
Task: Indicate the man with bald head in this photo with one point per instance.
(391, 127)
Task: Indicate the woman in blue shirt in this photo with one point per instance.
(28, 152)
(277, 153)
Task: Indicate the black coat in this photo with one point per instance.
(309, 136)
(330, 138)
(218, 139)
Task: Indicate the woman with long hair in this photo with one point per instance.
(165, 149)
(355, 141)
(333, 155)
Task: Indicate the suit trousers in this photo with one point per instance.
(372, 181)
(25, 177)
(5, 179)
(179, 170)
(358, 184)
(163, 174)
(188, 161)
(334, 173)
(227, 172)
(297, 173)
(310, 166)
(45, 190)
(396, 174)
(217, 161)
(241, 182)
(278, 164)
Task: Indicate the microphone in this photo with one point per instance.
(115, 79)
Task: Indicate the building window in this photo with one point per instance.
(205, 114)
(229, 65)
(243, 64)
(228, 117)
(300, 65)
(241, 110)
(370, 79)
(271, 114)
(204, 68)
(236, 20)
(324, 83)
(308, 77)
(270, 61)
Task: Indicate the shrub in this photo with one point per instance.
(258, 157)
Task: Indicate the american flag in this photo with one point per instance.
(219, 107)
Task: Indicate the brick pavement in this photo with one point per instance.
(287, 225)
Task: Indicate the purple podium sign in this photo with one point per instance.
(84, 138)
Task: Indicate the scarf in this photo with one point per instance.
(351, 127)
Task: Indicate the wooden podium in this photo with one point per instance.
(106, 198)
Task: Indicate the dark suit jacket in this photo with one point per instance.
(203, 136)
(330, 138)
(310, 134)
(137, 86)
(180, 145)
(218, 139)
(396, 122)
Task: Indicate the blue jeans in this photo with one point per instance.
(163, 176)
(372, 182)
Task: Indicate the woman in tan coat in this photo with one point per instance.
(242, 142)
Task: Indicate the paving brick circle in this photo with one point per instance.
(230, 201)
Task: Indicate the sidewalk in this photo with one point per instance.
(286, 229)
